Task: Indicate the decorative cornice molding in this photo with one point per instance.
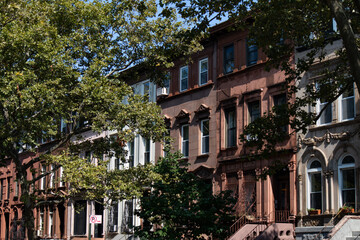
(327, 137)
(203, 108)
(183, 114)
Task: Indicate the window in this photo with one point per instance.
(43, 179)
(229, 59)
(326, 115)
(51, 222)
(128, 217)
(347, 181)
(166, 142)
(8, 188)
(280, 101)
(16, 194)
(167, 82)
(117, 163)
(251, 54)
(51, 181)
(205, 136)
(146, 90)
(184, 78)
(347, 106)
(147, 151)
(314, 183)
(88, 156)
(113, 218)
(254, 111)
(131, 154)
(61, 173)
(80, 218)
(203, 71)
(41, 221)
(230, 128)
(185, 140)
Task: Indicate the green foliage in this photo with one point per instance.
(66, 60)
(182, 206)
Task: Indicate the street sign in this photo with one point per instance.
(96, 219)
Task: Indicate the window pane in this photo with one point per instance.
(315, 179)
(348, 178)
(315, 164)
(205, 144)
(203, 71)
(205, 136)
(348, 197)
(80, 218)
(230, 128)
(348, 110)
(348, 159)
(315, 200)
(184, 78)
(205, 127)
(254, 110)
(185, 140)
(228, 59)
(252, 54)
(326, 116)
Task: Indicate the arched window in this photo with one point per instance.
(347, 181)
(314, 185)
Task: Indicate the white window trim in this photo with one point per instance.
(181, 90)
(183, 141)
(341, 167)
(61, 173)
(341, 106)
(51, 180)
(207, 70)
(43, 179)
(204, 136)
(51, 222)
(308, 182)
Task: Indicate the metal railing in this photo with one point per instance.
(256, 231)
(241, 221)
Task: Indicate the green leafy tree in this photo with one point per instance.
(182, 206)
(279, 28)
(65, 60)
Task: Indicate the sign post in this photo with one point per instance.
(94, 219)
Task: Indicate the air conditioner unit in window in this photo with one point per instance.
(162, 92)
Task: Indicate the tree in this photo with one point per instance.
(182, 206)
(279, 28)
(63, 60)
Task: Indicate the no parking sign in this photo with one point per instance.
(96, 219)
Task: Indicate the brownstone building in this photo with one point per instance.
(209, 102)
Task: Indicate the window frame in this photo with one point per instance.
(183, 79)
(205, 139)
(341, 100)
(251, 49)
(319, 105)
(341, 167)
(313, 171)
(184, 142)
(232, 130)
(230, 60)
(147, 150)
(43, 179)
(207, 71)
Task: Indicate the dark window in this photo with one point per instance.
(228, 59)
(8, 188)
(280, 102)
(254, 110)
(230, 128)
(251, 54)
(128, 217)
(131, 154)
(147, 151)
(113, 218)
(80, 218)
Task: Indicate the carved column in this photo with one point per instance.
(292, 186)
(241, 198)
(258, 194)
(300, 197)
(329, 191)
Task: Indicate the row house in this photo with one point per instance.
(328, 157)
(208, 103)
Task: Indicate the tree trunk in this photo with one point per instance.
(28, 204)
(348, 37)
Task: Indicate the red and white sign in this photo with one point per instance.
(96, 219)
